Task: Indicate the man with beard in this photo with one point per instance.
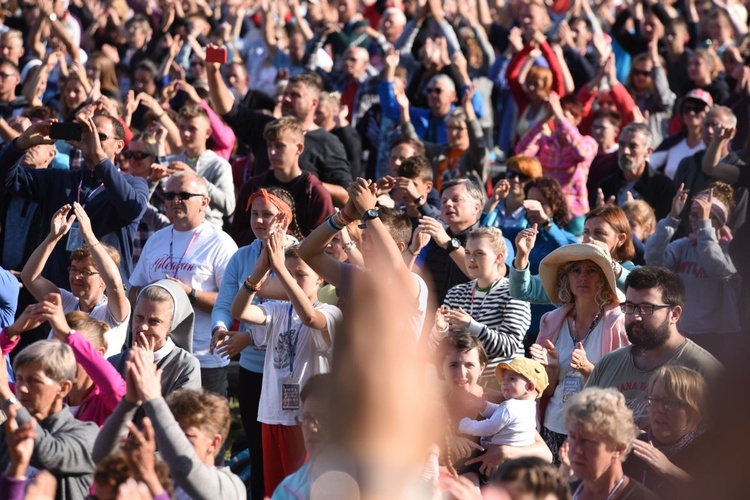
(654, 300)
(636, 176)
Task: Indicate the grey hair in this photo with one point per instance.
(472, 190)
(450, 86)
(730, 118)
(640, 128)
(197, 178)
(398, 14)
(56, 359)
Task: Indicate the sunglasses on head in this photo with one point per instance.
(135, 155)
(171, 195)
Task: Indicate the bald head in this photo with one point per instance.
(356, 60)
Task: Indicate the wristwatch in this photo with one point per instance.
(453, 245)
(191, 295)
(53, 17)
(368, 215)
(9, 402)
(418, 200)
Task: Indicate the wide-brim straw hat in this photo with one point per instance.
(551, 264)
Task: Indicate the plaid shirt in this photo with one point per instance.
(566, 155)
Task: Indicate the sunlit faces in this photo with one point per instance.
(284, 151)
(633, 151)
(711, 123)
(38, 156)
(85, 281)
(537, 195)
(458, 207)
(399, 153)
(139, 164)
(699, 69)
(482, 260)
(206, 444)
(462, 370)
(356, 60)
(670, 418)
(325, 114)
(74, 93)
(11, 47)
(458, 134)
(515, 386)
(335, 248)
(604, 133)
(641, 75)
(590, 455)
(262, 215)
(38, 393)
(585, 279)
(303, 274)
(297, 101)
(313, 411)
(649, 331)
(400, 195)
(440, 96)
(639, 231)
(194, 133)
(154, 320)
(190, 213)
(110, 144)
(596, 228)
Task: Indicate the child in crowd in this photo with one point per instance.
(643, 223)
(512, 422)
(297, 335)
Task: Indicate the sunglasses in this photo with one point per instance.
(638, 72)
(135, 155)
(693, 107)
(435, 91)
(512, 174)
(171, 195)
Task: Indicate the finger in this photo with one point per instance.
(550, 345)
(148, 429)
(580, 346)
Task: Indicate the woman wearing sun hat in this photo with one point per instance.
(572, 338)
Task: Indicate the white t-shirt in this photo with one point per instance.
(513, 422)
(670, 159)
(117, 332)
(416, 321)
(294, 353)
(553, 418)
(198, 258)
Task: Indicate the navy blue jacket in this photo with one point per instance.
(114, 201)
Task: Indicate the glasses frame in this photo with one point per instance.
(128, 155)
(83, 272)
(638, 308)
(182, 195)
(668, 404)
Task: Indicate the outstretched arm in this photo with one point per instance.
(31, 274)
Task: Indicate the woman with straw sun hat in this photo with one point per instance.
(587, 325)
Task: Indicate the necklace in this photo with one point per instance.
(610, 495)
(591, 327)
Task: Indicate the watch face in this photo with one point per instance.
(455, 243)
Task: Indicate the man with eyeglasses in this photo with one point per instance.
(654, 300)
(194, 253)
(114, 200)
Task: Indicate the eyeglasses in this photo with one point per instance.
(171, 195)
(434, 90)
(666, 403)
(103, 137)
(512, 174)
(638, 72)
(307, 419)
(136, 155)
(83, 272)
(644, 309)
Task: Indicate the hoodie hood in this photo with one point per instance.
(183, 317)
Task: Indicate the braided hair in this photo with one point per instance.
(282, 193)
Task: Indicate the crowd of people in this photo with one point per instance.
(398, 248)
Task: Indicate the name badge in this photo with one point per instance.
(75, 238)
(572, 385)
(290, 399)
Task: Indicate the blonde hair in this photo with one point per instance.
(494, 235)
(92, 329)
(604, 295)
(275, 129)
(457, 116)
(712, 60)
(683, 384)
(603, 412)
(204, 410)
(643, 214)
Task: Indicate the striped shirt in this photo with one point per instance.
(500, 322)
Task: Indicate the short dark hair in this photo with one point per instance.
(398, 224)
(578, 19)
(414, 143)
(608, 114)
(535, 476)
(317, 386)
(417, 166)
(147, 66)
(572, 104)
(667, 281)
(461, 342)
(116, 126)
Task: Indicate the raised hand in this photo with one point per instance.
(20, 443)
(458, 319)
(233, 343)
(28, 320)
(52, 310)
(501, 191)
(275, 245)
(547, 355)
(419, 240)
(146, 376)
(579, 361)
(140, 450)
(704, 205)
(62, 222)
(85, 224)
(679, 200)
(362, 194)
(435, 229)
(35, 135)
(535, 211)
(441, 320)
(392, 58)
(525, 240)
